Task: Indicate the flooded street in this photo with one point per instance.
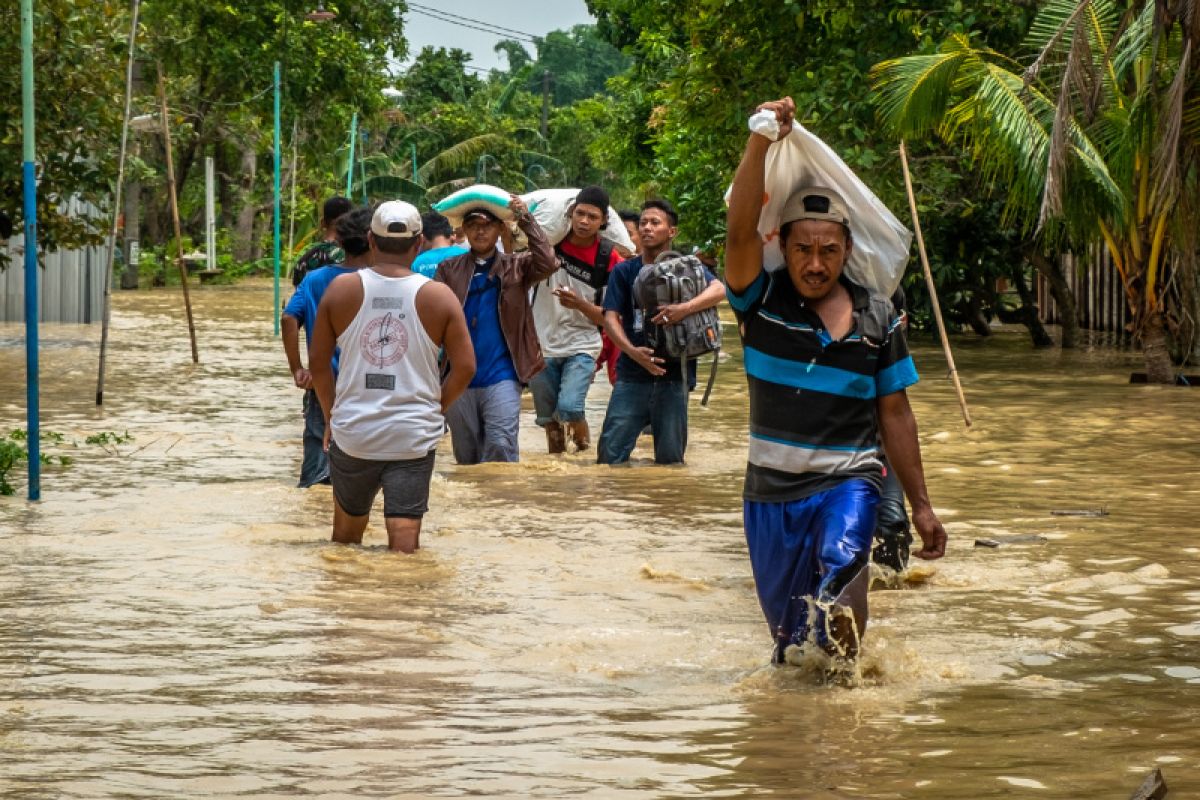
(175, 623)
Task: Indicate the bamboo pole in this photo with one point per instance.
(933, 298)
(183, 278)
(112, 242)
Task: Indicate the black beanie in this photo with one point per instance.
(593, 196)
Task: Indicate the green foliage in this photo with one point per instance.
(459, 128)
(678, 116)
(438, 76)
(1091, 141)
(78, 84)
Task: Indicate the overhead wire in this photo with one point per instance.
(459, 19)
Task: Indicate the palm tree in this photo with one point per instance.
(1097, 138)
(451, 168)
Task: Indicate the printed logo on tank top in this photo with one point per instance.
(385, 341)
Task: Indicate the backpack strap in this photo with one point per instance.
(876, 319)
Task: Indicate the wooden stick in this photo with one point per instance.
(166, 130)
(112, 242)
(933, 298)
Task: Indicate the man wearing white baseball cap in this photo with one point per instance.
(387, 414)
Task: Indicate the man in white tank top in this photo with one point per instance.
(387, 414)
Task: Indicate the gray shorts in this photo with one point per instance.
(405, 484)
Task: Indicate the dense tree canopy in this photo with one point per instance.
(79, 69)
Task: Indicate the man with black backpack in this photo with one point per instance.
(652, 384)
(567, 314)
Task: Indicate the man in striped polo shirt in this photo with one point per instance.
(828, 365)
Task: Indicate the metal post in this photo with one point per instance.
(112, 242)
(350, 163)
(545, 102)
(278, 145)
(33, 430)
(413, 145)
(292, 203)
(362, 165)
(210, 212)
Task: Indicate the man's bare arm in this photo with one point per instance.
(644, 356)
(712, 295)
(289, 328)
(443, 319)
(320, 358)
(898, 430)
(743, 246)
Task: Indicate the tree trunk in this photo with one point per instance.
(1064, 298)
(1159, 368)
(1028, 312)
(133, 232)
(243, 234)
(225, 188)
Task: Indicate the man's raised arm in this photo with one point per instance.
(743, 246)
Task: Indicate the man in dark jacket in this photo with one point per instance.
(494, 290)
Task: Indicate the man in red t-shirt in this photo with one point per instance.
(568, 318)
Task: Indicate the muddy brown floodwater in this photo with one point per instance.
(175, 623)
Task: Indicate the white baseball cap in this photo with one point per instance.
(396, 219)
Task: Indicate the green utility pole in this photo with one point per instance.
(350, 168)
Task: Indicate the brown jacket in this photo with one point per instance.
(518, 272)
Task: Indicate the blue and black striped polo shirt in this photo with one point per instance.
(813, 422)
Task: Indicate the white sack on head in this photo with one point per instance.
(881, 242)
(479, 195)
(551, 207)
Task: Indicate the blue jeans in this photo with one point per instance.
(635, 404)
(560, 390)
(812, 549)
(315, 466)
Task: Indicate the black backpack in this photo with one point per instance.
(672, 279)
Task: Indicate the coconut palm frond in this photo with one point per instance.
(394, 187)
(1078, 81)
(1134, 40)
(911, 93)
(1166, 150)
(514, 85)
(461, 156)
(442, 190)
(1048, 34)
(1191, 119)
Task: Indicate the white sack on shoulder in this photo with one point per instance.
(550, 208)
(881, 242)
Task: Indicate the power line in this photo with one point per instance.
(490, 25)
(466, 22)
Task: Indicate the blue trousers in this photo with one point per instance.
(811, 549)
(635, 404)
(560, 390)
(315, 466)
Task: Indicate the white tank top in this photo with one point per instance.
(388, 405)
